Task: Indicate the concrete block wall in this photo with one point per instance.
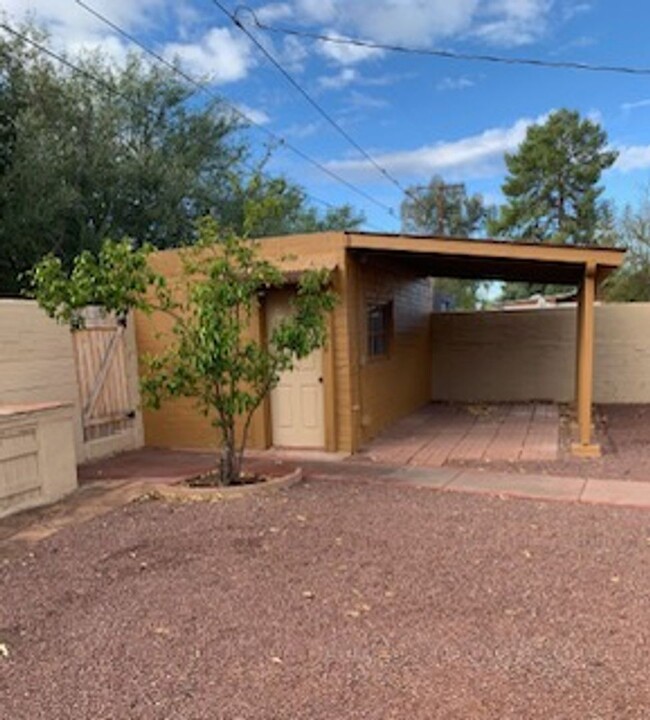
(37, 366)
(524, 355)
(37, 455)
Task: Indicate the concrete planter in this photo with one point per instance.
(182, 493)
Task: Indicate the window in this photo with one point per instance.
(379, 325)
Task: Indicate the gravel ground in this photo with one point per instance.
(623, 432)
(335, 599)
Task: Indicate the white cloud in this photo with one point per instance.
(513, 22)
(423, 22)
(274, 11)
(72, 28)
(219, 55)
(318, 10)
(345, 77)
(254, 115)
(633, 157)
(637, 104)
(362, 101)
(455, 83)
(300, 130)
(471, 157)
(575, 8)
(343, 53)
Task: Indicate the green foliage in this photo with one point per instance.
(552, 184)
(211, 357)
(135, 155)
(118, 279)
(443, 209)
(447, 210)
(552, 190)
(265, 206)
(632, 282)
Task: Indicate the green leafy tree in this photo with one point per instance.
(291, 213)
(124, 156)
(210, 355)
(632, 282)
(443, 209)
(552, 188)
(122, 151)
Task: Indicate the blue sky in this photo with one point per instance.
(416, 116)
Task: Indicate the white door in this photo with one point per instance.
(297, 415)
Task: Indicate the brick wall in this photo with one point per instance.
(530, 355)
(393, 386)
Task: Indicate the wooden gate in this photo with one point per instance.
(100, 356)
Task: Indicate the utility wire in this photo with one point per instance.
(114, 91)
(64, 61)
(447, 54)
(315, 104)
(203, 87)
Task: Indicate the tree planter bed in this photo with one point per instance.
(182, 492)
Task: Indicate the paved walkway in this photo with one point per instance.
(538, 487)
(439, 433)
(117, 481)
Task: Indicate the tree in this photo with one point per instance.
(120, 151)
(552, 189)
(446, 210)
(632, 282)
(209, 355)
(552, 186)
(291, 212)
(125, 155)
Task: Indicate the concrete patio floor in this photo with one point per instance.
(439, 433)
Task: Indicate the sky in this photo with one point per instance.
(415, 116)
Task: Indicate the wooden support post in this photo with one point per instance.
(585, 365)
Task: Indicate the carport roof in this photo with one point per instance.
(488, 259)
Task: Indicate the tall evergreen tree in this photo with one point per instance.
(552, 192)
(552, 189)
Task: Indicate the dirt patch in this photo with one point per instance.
(623, 432)
(335, 599)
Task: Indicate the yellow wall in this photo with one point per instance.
(392, 386)
(179, 424)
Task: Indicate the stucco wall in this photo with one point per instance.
(393, 386)
(178, 423)
(37, 365)
(530, 354)
(37, 455)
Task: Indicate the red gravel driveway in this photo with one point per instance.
(336, 599)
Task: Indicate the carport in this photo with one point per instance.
(584, 267)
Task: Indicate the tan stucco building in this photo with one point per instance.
(376, 366)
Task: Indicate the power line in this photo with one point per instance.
(203, 87)
(114, 91)
(316, 105)
(447, 54)
(64, 61)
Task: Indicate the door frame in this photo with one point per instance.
(329, 374)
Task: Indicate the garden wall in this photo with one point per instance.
(37, 365)
(523, 355)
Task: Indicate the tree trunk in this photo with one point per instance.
(230, 463)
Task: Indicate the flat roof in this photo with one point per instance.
(487, 258)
